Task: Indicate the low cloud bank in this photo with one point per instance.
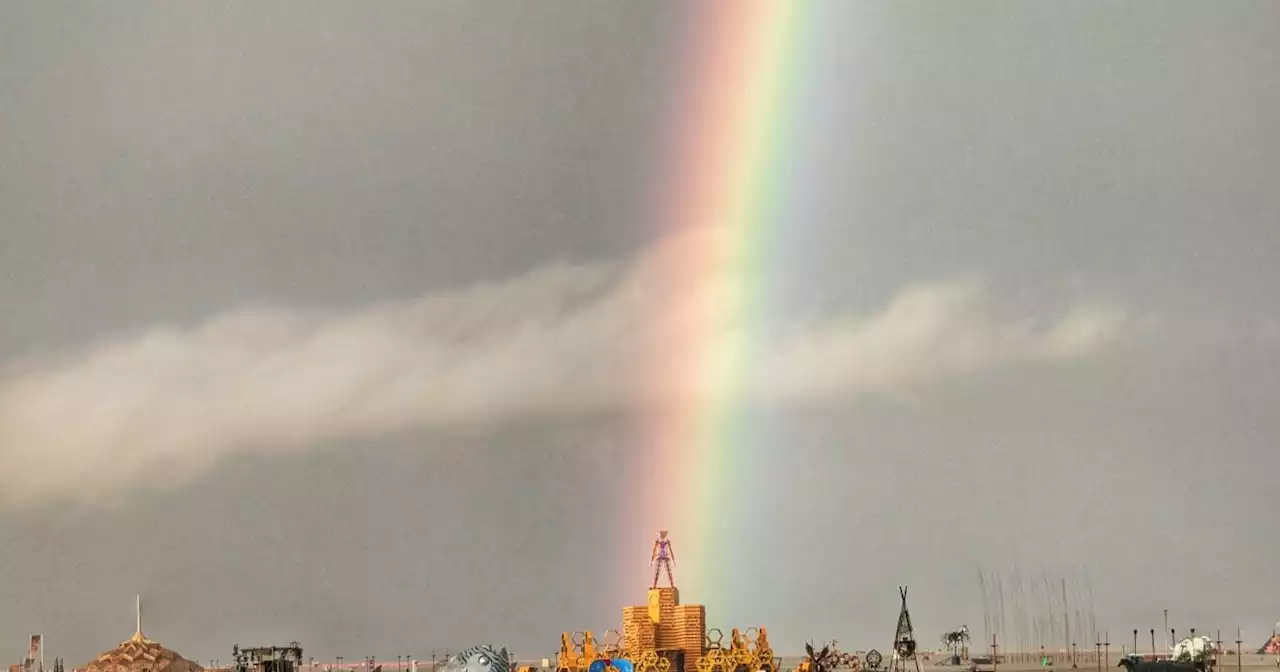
(163, 406)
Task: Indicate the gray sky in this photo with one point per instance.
(359, 281)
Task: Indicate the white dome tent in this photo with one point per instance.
(1194, 647)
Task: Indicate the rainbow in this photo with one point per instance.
(719, 198)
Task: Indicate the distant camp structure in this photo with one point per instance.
(1134, 665)
(139, 654)
(267, 658)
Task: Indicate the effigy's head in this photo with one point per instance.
(480, 659)
(662, 534)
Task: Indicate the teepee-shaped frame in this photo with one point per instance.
(904, 639)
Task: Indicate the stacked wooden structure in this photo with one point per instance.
(664, 635)
(674, 631)
(639, 632)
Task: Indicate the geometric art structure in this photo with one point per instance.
(139, 654)
(1271, 647)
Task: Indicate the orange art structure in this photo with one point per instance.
(139, 654)
(664, 635)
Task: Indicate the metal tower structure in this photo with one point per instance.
(904, 640)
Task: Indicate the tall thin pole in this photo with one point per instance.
(1239, 653)
(1153, 643)
(1066, 617)
(995, 654)
(1166, 627)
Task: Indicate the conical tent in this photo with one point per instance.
(1272, 647)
